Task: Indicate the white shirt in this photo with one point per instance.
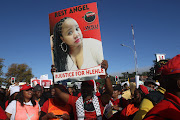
(11, 108)
(92, 55)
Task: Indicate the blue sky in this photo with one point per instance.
(24, 31)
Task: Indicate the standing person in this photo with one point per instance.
(71, 50)
(14, 90)
(88, 105)
(130, 111)
(54, 108)
(38, 95)
(169, 108)
(154, 97)
(118, 103)
(25, 107)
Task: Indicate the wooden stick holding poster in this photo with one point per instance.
(76, 39)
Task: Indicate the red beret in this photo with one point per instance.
(172, 67)
(144, 89)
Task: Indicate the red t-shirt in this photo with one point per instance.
(6, 104)
(90, 111)
(165, 109)
(2, 114)
(120, 102)
(115, 102)
(45, 106)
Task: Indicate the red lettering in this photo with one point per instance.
(72, 74)
(79, 73)
(83, 73)
(93, 71)
(66, 74)
(87, 72)
(102, 70)
(96, 71)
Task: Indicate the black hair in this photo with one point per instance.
(142, 93)
(137, 103)
(60, 57)
(20, 98)
(62, 88)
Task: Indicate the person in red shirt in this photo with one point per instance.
(118, 102)
(55, 108)
(2, 114)
(88, 105)
(169, 108)
(98, 89)
(129, 112)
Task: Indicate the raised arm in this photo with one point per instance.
(108, 85)
(59, 93)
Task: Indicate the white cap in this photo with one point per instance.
(14, 89)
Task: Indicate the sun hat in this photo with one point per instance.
(14, 89)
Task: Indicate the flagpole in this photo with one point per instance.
(135, 54)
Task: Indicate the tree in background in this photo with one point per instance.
(1, 72)
(22, 72)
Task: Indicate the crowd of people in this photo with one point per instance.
(94, 102)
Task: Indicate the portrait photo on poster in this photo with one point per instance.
(75, 39)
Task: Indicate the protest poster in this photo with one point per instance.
(46, 83)
(35, 81)
(75, 39)
(79, 74)
(160, 57)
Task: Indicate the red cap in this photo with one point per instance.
(97, 83)
(144, 89)
(172, 67)
(25, 87)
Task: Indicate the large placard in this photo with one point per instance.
(75, 39)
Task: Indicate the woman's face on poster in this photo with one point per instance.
(71, 33)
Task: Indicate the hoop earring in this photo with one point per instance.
(64, 50)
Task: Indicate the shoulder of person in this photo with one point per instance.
(11, 107)
(13, 102)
